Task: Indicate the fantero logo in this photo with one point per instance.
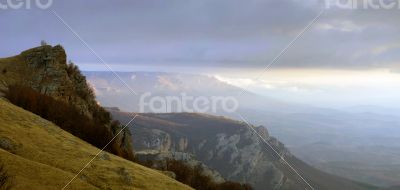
(25, 4)
(186, 103)
(363, 4)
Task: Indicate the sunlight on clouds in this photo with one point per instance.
(315, 77)
(324, 87)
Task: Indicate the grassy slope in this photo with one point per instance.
(42, 156)
(9, 65)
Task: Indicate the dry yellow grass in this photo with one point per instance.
(40, 155)
(9, 67)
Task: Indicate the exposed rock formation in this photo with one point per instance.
(187, 158)
(223, 145)
(48, 72)
(232, 149)
(45, 69)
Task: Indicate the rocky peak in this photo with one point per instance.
(45, 55)
(263, 132)
(45, 69)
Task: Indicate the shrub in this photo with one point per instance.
(193, 176)
(68, 117)
(234, 186)
(5, 183)
(125, 148)
(85, 91)
(72, 68)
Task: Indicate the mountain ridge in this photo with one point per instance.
(350, 135)
(230, 148)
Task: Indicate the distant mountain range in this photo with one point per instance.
(111, 91)
(358, 142)
(229, 147)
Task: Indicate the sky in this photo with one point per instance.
(347, 57)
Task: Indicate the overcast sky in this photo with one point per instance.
(242, 34)
(224, 33)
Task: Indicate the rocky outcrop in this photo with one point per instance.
(189, 159)
(242, 157)
(45, 69)
(48, 72)
(221, 144)
(156, 139)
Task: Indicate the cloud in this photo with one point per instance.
(223, 33)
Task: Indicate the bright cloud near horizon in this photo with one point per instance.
(347, 57)
(323, 87)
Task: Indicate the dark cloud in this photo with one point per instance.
(223, 33)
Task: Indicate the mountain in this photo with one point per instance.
(372, 109)
(39, 155)
(110, 91)
(45, 70)
(359, 143)
(229, 147)
(358, 146)
(393, 188)
(226, 146)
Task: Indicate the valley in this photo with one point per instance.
(357, 143)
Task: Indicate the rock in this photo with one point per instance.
(9, 145)
(169, 174)
(104, 156)
(222, 145)
(50, 74)
(125, 176)
(83, 178)
(45, 69)
(263, 132)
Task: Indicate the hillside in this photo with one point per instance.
(45, 69)
(231, 149)
(39, 155)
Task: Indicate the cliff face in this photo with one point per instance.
(224, 145)
(45, 69)
(230, 148)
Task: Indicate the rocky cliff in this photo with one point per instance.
(229, 147)
(221, 144)
(45, 69)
